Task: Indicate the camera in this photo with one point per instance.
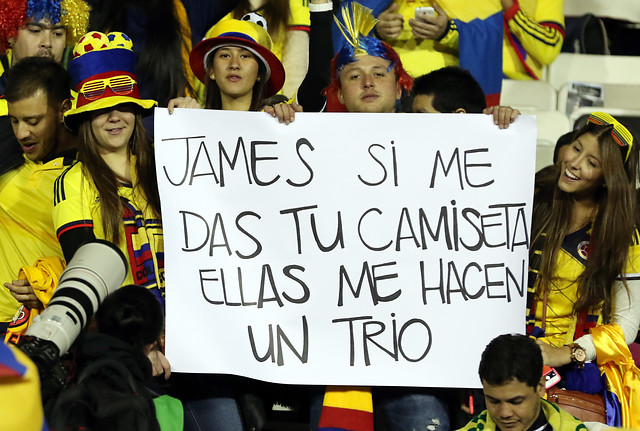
(97, 269)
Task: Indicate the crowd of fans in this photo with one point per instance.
(80, 80)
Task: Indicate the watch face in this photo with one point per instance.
(579, 354)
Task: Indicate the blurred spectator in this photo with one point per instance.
(534, 32)
(163, 32)
(20, 399)
(535, 36)
(112, 367)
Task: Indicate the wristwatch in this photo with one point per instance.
(578, 355)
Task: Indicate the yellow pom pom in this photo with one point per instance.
(90, 42)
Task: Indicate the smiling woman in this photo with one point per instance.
(111, 193)
(584, 302)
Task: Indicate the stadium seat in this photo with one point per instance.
(622, 96)
(628, 10)
(539, 95)
(603, 69)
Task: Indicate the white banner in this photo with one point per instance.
(352, 249)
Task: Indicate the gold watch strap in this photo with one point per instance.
(574, 357)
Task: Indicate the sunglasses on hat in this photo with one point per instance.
(120, 85)
(621, 135)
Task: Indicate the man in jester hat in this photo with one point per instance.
(367, 76)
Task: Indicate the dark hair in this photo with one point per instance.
(160, 68)
(563, 141)
(511, 356)
(31, 74)
(452, 88)
(212, 91)
(106, 182)
(133, 314)
(612, 231)
(276, 12)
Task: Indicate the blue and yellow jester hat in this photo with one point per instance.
(356, 24)
(15, 14)
(103, 73)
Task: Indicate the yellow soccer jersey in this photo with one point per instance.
(570, 264)
(420, 56)
(26, 227)
(77, 205)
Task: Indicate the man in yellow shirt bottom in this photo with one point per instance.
(37, 94)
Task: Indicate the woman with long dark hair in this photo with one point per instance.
(111, 193)
(585, 260)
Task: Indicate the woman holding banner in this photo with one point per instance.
(238, 71)
(584, 294)
(111, 192)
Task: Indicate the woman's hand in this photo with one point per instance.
(554, 356)
(183, 102)
(284, 112)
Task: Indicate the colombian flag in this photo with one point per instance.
(20, 401)
(480, 47)
(346, 409)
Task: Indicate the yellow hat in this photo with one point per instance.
(245, 34)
